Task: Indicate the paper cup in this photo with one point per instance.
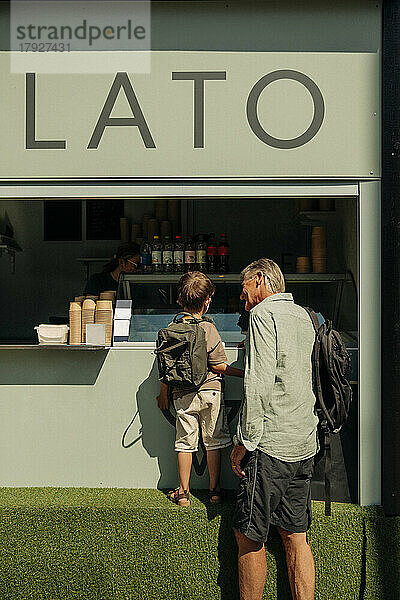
(89, 304)
(136, 231)
(318, 253)
(75, 306)
(319, 265)
(326, 204)
(306, 204)
(104, 305)
(303, 264)
(124, 226)
(152, 229)
(145, 224)
(161, 209)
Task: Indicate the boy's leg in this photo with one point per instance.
(214, 425)
(214, 467)
(184, 468)
(187, 436)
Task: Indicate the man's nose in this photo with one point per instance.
(242, 296)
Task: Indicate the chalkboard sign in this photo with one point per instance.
(102, 219)
(62, 220)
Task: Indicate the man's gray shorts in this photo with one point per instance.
(273, 492)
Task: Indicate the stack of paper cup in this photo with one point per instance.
(166, 229)
(306, 204)
(152, 229)
(303, 264)
(88, 309)
(327, 204)
(161, 209)
(174, 214)
(145, 225)
(75, 323)
(124, 225)
(104, 314)
(108, 295)
(318, 249)
(79, 299)
(136, 231)
(91, 297)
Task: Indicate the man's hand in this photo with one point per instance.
(162, 401)
(237, 456)
(162, 398)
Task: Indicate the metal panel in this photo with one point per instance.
(185, 190)
(370, 344)
(390, 284)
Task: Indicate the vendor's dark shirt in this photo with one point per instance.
(100, 282)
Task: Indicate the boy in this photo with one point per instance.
(202, 406)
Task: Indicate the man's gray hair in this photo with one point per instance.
(271, 271)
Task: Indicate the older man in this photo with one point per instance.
(276, 438)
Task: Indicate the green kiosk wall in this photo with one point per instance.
(87, 419)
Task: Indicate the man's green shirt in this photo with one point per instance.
(278, 412)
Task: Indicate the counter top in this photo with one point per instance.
(234, 277)
(50, 347)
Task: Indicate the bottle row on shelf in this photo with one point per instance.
(177, 256)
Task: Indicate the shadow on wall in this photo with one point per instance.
(157, 435)
(51, 367)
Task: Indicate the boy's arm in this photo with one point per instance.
(227, 370)
(162, 398)
(216, 355)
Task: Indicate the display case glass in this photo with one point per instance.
(154, 302)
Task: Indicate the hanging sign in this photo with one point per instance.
(196, 114)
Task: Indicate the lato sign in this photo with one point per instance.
(122, 81)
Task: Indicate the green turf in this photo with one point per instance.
(109, 544)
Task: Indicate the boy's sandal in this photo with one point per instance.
(215, 496)
(181, 499)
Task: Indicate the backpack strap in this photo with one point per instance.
(313, 316)
(326, 442)
(180, 315)
(169, 348)
(328, 467)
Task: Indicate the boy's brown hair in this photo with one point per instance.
(193, 289)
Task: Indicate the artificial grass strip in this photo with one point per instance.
(112, 544)
(337, 545)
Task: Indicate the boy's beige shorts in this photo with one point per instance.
(205, 410)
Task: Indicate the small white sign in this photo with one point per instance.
(95, 334)
(121, 328)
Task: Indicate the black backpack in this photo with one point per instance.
(331, 377)
(182, 352)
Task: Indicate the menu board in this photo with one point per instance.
(102, 219)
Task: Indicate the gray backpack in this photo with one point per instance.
(182, 352)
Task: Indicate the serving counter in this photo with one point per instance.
(87, 416)
(90, 419)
